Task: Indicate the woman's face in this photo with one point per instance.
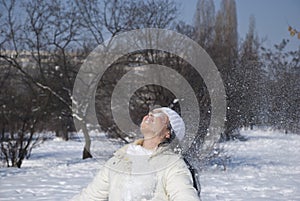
(155, 122)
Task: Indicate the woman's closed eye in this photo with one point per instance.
(156, 114)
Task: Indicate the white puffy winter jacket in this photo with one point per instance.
(165, 178)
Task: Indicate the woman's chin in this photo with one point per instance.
(146, 130)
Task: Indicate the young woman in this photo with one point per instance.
(147, 169)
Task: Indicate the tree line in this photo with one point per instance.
(44, 43)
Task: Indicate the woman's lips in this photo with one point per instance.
(147, 119)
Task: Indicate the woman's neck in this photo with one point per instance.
(150, 144)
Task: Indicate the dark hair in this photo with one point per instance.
(168, 141)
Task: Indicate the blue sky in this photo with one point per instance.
(272, 18)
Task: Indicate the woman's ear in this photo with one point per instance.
(168, 135)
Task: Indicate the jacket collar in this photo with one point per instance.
(122, 151)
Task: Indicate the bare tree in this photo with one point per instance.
(108, 18)
(41, 45)
(283, 87)
(22, 111)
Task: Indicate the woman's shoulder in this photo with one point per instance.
(166, 152)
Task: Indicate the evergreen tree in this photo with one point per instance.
(204, 21)
(225, 56)
(252, 77)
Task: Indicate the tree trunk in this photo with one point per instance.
(86, 154)
(87, 146)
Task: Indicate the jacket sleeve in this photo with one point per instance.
(179, 183)
(97, 190)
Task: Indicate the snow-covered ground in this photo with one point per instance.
(265, 167)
